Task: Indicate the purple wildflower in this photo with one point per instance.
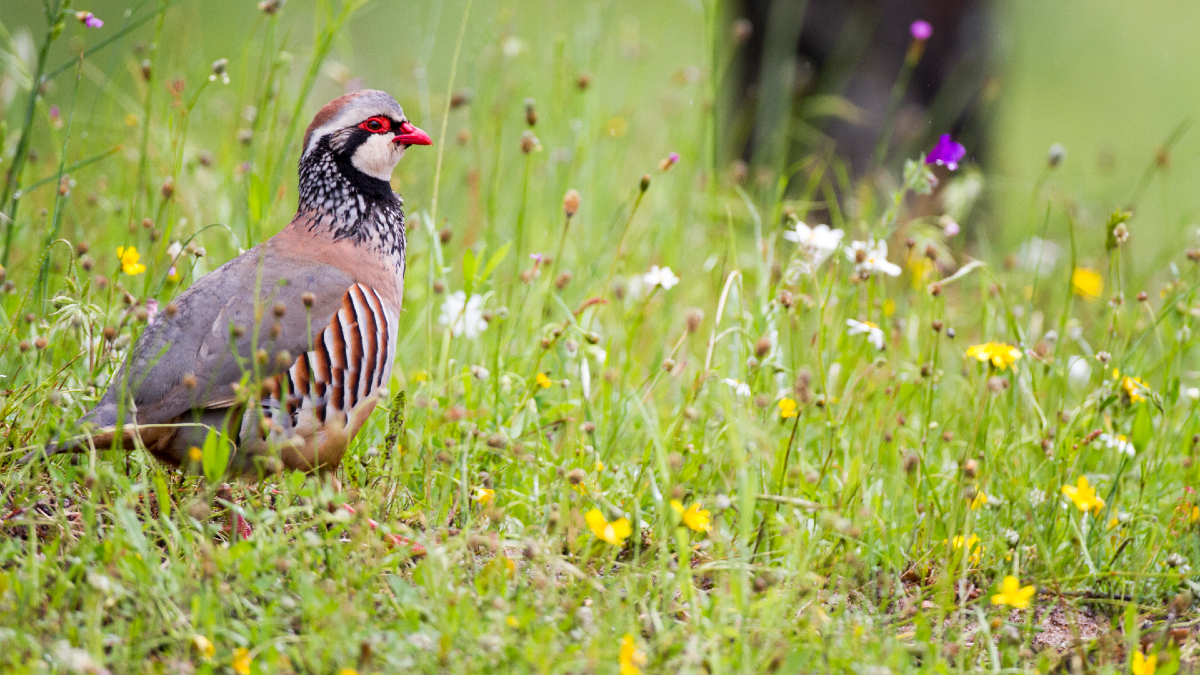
(536, 257)
(89, 20)
(946, 153)
(920, 30)
(55, 114)
(668, 162)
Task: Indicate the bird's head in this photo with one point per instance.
(367, 128)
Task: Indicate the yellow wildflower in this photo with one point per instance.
(999, 354)
(1195, 514)
(981, 499)
(420, 376)
(195, 454)
(543, 381)
(1134, 387)
(1087, 283)
(1083, 495)
(512, 621)
(694, 517)
(484, 495)
(787, 408)
(1012, 593)
(1144, 665)
(347, 671)
(974, 552)
(614, 533)
(631, 658)
(203, 646)
(129, 260)
(241, 661)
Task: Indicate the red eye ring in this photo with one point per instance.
(377, 125)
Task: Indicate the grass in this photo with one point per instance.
(536, 463)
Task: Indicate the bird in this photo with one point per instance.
(287, 348)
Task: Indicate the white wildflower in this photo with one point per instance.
(871, 256)
(1037, 253)
(660, 276)
(479, 372)
(1037, 497)
(1079, 371)
(873, 332)
(174, 250)
(818, 243)
(1192, 393)
(463, 316)
(1119, 443)
(740, 388)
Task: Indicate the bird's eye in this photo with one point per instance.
(376, 125)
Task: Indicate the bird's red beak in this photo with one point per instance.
(410, 135)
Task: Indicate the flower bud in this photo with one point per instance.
(530, 112)
(571, 202)
(645, 184)
(1056, 155)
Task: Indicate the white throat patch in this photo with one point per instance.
(378, 156)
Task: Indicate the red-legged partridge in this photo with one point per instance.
(310, 315)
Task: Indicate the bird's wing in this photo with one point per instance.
(211, 334)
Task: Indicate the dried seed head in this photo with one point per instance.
(460, 98)
(563, 279)
(530, 112)
(935, 289)
(936, 325)
(283, 359)
(270, 6)
(308, 299)
(785, 298)
(40, 343)
(762, 347)
(970, 469)
(668, 364)
(141, 314)
(695, 316)
(110, 333)
(911, 462)
(80, 249)
(645, 184)
(582, 81)
(147, 223)
(997, 384)
(444, 235)
(24, 346)
(146, 69)
(1193, 254)
(802, 385)
(576, 476)
(571, 202)
(439, 287)
(237, 330)
(189, 381)
(742, 30)
(497, 441)
(762, 400)
(1142, 297)
(529, 142)
(261, 356)
(279, 310)
(172, 309)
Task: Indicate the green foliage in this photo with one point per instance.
(789, 460)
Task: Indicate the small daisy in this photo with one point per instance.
(740, 388)
(871, 256)
(660, 276)
(873, 332)
(818, 243)
(1117, 442)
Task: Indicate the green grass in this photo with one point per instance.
(831, 532)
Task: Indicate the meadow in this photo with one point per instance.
(653, 409)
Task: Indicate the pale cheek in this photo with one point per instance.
(377, 157)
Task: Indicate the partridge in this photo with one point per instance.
(284, 349)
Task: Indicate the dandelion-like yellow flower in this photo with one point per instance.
(787, 408)
(195, 454)
(483, 495)
(1012, 593)
(543, 381)
(1083, 495)
(631, 658)
(204, 646)
(999, 354)
(981, 500)
(1087, 283)
(512, 621)
(1134, 387)
(974, 551)
(347, 671)
(614, 533)
(241, 661)
(129, 260)
(694, 517)
(1143, 665)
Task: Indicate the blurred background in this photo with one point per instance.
(1108, 80)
